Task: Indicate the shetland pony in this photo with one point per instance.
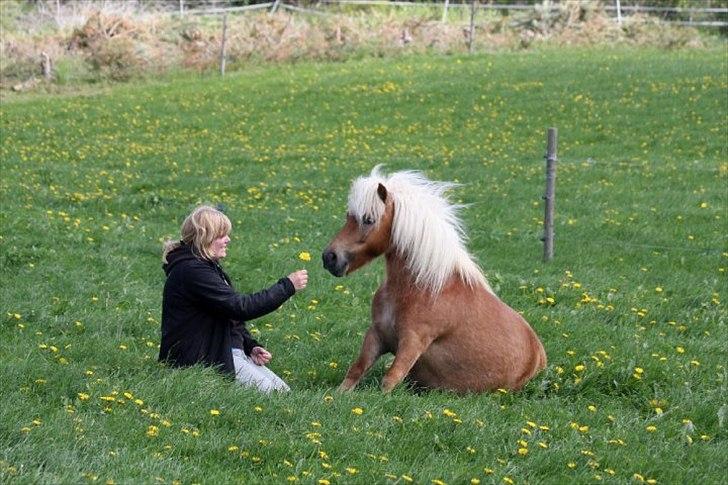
(435, 310)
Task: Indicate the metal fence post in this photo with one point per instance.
(619, 13)
(550, 196)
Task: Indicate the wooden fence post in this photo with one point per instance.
(471, 32)
(222, 47)
(444, 12)
(550, 196)
(46, 66)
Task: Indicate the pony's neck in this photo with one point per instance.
(397, 271)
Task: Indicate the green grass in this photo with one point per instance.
(92, 184)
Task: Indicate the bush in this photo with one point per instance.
(71, 70)
(117, 59)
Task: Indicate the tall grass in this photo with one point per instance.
(631, 310)
(98, 42)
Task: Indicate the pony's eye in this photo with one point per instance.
(367, 220)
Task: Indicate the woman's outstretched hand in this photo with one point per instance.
(299, 279)
(260, 356)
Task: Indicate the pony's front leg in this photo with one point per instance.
(371, 349)
(409, 348)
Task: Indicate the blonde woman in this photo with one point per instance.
(203, 317)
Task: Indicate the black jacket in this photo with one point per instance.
(203, 317)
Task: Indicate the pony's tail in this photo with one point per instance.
(168, 247)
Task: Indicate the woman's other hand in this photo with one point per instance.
(260, 356)
(299, 279)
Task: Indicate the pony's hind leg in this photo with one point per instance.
(370, 351)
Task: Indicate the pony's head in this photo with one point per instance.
(407, 213)
(367, 232)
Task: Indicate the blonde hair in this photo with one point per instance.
(199, 230)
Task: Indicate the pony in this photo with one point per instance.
(435, 310)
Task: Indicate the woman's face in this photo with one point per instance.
(218, 248)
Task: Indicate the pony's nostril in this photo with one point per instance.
(329, 258)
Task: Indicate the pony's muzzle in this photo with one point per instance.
(336, 265)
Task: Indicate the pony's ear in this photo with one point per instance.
(382, 191)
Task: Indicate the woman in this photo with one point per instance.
(203, 317)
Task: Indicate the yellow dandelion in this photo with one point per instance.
(357, 411)
(304, 256)
(214, 412)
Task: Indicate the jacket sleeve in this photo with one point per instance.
(242, 335)
(207, 287)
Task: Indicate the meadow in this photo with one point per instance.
(632, 310)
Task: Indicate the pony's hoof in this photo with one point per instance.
(387, 388)
(344, 387)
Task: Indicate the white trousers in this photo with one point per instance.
(249, 374)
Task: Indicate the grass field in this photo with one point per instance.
(632, 310)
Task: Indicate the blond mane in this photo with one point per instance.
(426, 230)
